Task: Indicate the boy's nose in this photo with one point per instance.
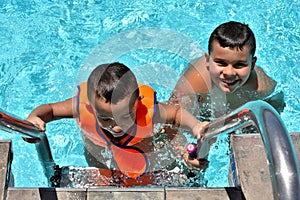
(116, 128)
(229, 70)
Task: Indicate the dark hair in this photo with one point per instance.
(233, 34)
(113, 82)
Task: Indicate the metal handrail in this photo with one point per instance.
(9, 123)
(283, 163)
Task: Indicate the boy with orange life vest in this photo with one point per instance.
(117, 116)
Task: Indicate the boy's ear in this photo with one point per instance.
(253, 62)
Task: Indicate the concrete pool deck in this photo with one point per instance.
(250, 159)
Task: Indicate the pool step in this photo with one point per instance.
(105, 193)
(251, 164)
(250, 159)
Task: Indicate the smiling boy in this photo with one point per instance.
(226, 77)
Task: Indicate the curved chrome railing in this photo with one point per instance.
(10, 123)
(283, 163)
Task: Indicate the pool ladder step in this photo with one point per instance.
(253, 174)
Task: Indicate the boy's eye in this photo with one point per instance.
(221, 63)
(240, 65)
(105, 119)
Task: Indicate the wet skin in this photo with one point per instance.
(118, 119)
(229, 68)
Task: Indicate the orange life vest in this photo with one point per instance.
(130, 160)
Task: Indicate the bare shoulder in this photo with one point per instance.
(195, 79)
(266, 84)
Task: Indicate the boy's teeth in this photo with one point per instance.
(228, 81)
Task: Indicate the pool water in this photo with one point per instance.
(48, 47)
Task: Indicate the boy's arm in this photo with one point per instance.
(179, 117)
(48, 112)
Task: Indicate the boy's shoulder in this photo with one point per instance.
(265, 84)
(267, 87)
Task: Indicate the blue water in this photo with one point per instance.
(47, 47)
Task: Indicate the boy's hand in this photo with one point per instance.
(198, 130)
(202, 163)
(195, 163)
(38, 122)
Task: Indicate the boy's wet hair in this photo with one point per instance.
(234, 35)
(113, 82)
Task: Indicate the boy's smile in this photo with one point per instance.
(230, 68)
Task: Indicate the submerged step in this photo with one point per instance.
(252, 169)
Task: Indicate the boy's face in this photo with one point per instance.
(116, 118)
(229, 68)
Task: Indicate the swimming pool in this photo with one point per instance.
(44, 43)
